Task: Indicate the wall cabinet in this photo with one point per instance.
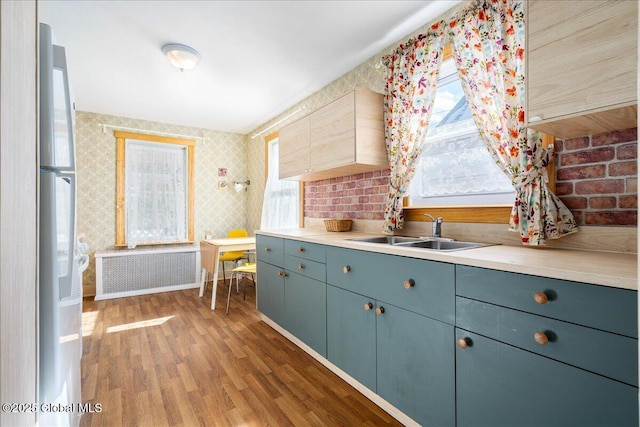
(341, 138)
(581, 66)
(379, 332)
(545, 351)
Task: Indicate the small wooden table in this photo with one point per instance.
(210, 251)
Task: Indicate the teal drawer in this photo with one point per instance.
(270, 249)
(601, 307)
(312, 269)
(421, 286)
(607, 354)
(310, 251)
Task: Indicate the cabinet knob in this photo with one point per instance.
(540, 297)
(300, 266)
(300, 249)
(409, 284)
(282, 274)
(463, 343)
(346, 269)
(379, 310)
(541, 338)
(267, 249)
(368, 306)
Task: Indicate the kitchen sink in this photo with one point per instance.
(443, 245)
(389, 240)
(436, 244)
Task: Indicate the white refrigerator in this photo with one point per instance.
(60, 261)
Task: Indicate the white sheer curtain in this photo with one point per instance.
(155, 192)
(281, 205)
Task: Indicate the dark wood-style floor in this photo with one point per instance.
(168, 360)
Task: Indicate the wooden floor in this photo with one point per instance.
(168, 360)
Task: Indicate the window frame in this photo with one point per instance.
(121, 137)
(267, 140)
(487, 214)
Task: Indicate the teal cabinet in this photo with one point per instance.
(415, 359)
(351, 334)
(499, 385)
(270, 291)
(544, 351)
(390, 311)
(305, 302)
(292, 288)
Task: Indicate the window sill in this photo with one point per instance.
(466, 214)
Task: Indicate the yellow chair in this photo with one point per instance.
(248, 268)
(233, 256)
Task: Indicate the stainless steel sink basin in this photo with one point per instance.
(439, 244)
(443, 245)
(389, 240)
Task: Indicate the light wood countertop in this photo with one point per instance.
(612, 269)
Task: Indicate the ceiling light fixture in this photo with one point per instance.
(180, 56)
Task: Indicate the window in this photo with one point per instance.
(444, 177)
(281, 204)
(455, 167)
(154, 189)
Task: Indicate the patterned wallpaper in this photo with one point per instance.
(215, 209)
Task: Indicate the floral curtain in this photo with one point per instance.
(488, 44)
(410, 88)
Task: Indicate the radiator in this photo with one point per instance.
(123, 273)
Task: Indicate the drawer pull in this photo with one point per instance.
(379, 310)
(540, 298)
(300, 249)
(267, 249)
(300, 266)
(463, 343)
(346, 269)
(368, 306)
(409, 284)
(541, 338)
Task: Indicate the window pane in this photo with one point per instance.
(455, 167)
(156, 192)
(281, 203)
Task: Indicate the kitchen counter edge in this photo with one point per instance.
(618, 270)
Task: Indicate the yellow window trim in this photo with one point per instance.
(496, 214)
(121, 240)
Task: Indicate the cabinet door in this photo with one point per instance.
(416, 365)
(305, 301)
(500, 385)
(351, 334)
(333, 134)
(581, 58)
(294, 149)
(270, 290)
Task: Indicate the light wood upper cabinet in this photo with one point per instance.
(342, 138)
(581, 66)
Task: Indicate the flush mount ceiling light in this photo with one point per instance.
(180, 56)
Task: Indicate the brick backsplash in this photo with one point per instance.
(359, 196)
(597, 177)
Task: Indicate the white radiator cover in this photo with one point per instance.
(124, 272)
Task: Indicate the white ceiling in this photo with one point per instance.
(258, 57)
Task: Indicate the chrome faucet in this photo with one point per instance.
(437, 226)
